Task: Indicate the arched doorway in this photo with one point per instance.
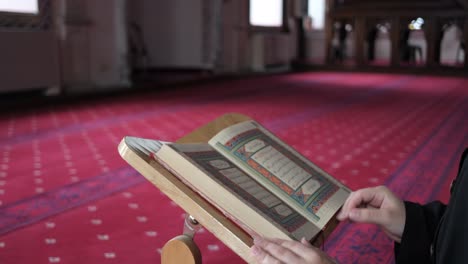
(378, 43)
(452, 48)
(342, 43)
(413, 44)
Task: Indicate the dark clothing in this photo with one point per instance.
(340, 52)
(436, 233)
(404, 46)
(371, 37)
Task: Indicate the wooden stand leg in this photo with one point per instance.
(182, 249)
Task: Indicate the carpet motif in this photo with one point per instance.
(67, 197)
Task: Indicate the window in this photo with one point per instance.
(19, 6)
(317, 13)
(25, 15)
(266, 13)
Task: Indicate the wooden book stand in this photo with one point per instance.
(182, 249)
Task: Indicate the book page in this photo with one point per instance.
(281, 169)
(231, 178)
(144, 147)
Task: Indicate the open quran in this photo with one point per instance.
(253, 178)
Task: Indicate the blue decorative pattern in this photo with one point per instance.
(31, 210)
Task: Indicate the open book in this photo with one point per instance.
(255, 179)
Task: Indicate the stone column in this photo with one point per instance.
(360, 39)
(329, 30)
(465, 41)
(395, 38)
(434, 34)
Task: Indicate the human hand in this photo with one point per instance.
(277, 251)
(376, 205)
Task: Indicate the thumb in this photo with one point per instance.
(366, 215)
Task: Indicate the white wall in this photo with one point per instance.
(235, 44)
(247, 50)
(94, 47)
(108, 46)
(210, 34)
(85, 50)
(271, 50)
(88, 49)
(28, 60)
(172, 31)
(450, 45)
(315, 46)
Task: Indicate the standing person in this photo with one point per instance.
(342, 35)
(432, 233)
(371, 38)
(404, 45)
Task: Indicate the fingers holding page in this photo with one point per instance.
(274, 251)
(268, 251)
(377, 205)
(372, 197)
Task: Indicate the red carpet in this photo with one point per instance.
(67, 197)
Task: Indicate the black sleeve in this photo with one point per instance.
(451, 241)
(422, 222)
(420, 227)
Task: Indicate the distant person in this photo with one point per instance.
(433, 233)
(461, 48)
(308, 23)
(339, 42)
(409, 51)
(342, 35)
(404, 45)
(371, 38)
